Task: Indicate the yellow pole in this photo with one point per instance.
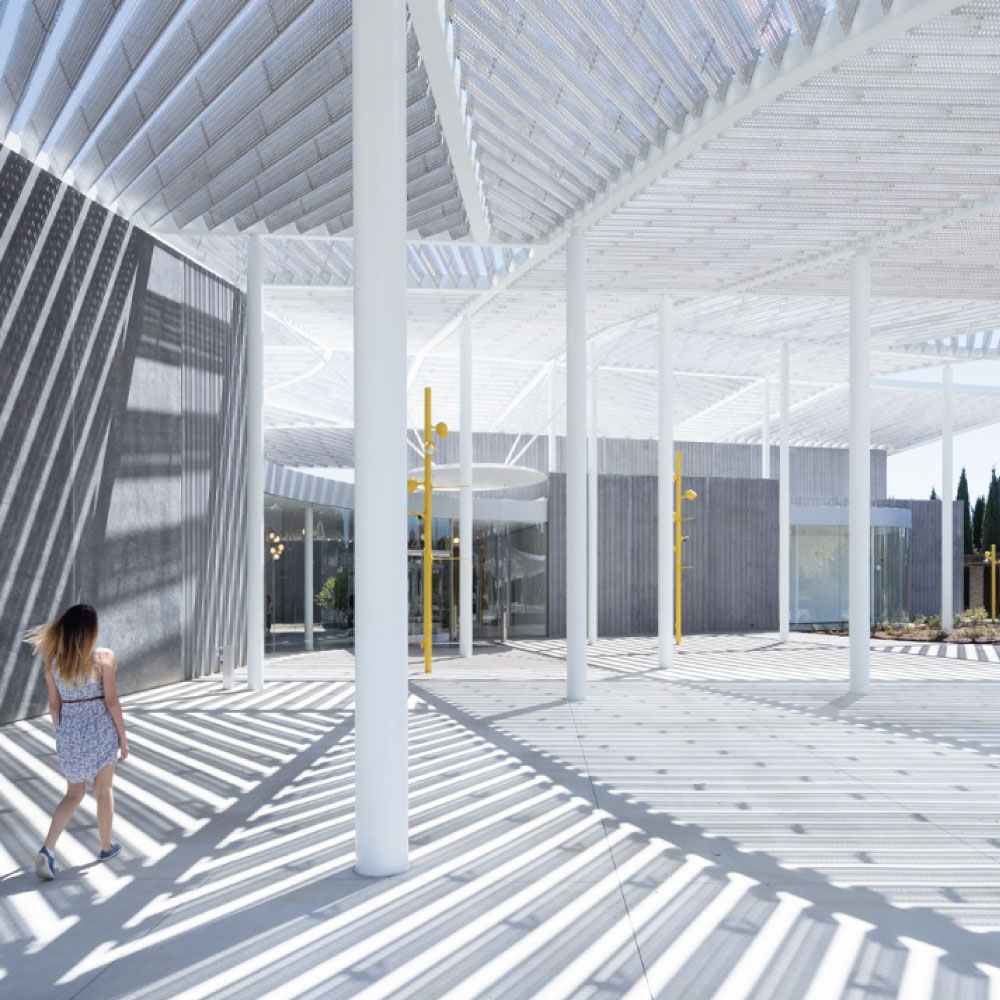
(678, 550)
(993, 578)
(428, 532)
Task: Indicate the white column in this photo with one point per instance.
(665, 487)
(765, 433)
(255, 468)
(576, 468)
(465, 620)
(307, 578)
(380, 650)
(592, 500)
(947, 491)
(859, 537)
(784, 501)
(552, 421)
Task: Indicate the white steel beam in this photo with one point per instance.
(465, 567)
(947, 486)
(719, 404)
(888, 382)
(437, 49)
(523, 393)
(801, 405)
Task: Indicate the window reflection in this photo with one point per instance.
(509, 577)
(819, 574)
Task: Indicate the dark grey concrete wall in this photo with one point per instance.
(733, 581)
(122, 440)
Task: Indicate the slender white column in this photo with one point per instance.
(665, 487)
(552, 421)
(859, 537)
(576, 468)
(379, 121)
(307, 578)
(784, 502)
(947, 492)
(765, 433)
(465, 621)
(255, 468)
(592, 500)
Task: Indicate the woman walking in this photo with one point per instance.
(87, 715)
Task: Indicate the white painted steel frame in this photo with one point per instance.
(308, 595)
(576, 468)
(592, 501)
(380, 642)
(784, 500)
(859, 485)
(465, 614)
(665, 487)
(255, 469)
(947, 492)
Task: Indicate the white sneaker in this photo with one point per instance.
(45, 864)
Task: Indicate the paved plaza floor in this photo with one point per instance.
(736, 828)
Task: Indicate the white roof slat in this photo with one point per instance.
(36, 23)
(143, 30)
(82, 39)
(226, 63)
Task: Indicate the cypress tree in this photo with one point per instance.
(963, 495)
(977, 524)
(991, 516)
(934, 495)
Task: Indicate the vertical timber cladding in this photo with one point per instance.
(122, 439)
(733, 581)
(924, 588)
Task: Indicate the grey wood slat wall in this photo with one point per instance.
(733, 582)
(924, 590)
(816, 473)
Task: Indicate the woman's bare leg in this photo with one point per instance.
(105, 803)
(75, 792)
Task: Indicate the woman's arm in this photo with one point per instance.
(55, 699)
(107, 661)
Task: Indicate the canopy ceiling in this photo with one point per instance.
(730, 153)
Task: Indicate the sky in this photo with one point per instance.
(913, 473)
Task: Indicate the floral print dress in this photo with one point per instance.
(86, 739)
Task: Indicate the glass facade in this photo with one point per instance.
(509, 579)
(819, 573)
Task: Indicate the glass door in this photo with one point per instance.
(441, 581)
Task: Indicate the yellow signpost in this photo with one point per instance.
(679, 539)
(430, 448)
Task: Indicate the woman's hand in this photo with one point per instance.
(122, 750)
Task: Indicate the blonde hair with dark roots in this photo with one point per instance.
(69, 641)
